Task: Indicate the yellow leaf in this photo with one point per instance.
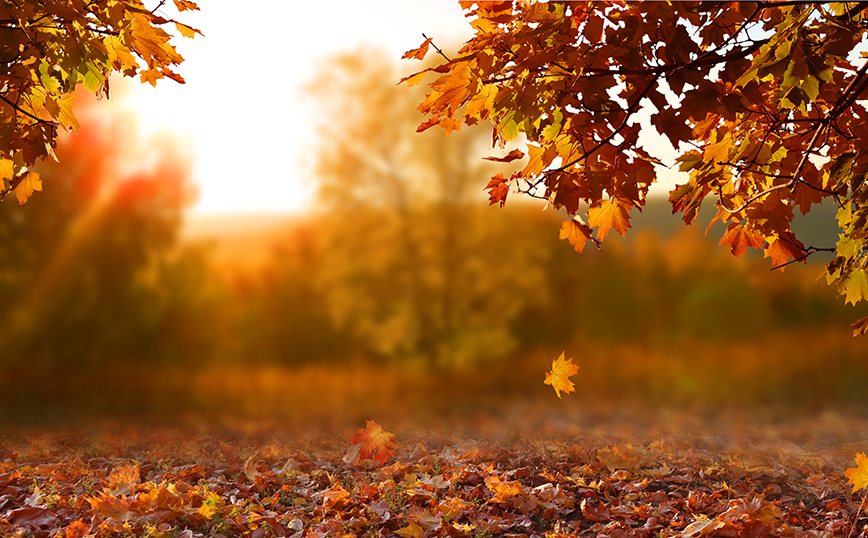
(411, 531)
(184, 5)
(610, 214)
(187, 31)
(858, 476)
(29, 183)
(5, 168)
(559, 376)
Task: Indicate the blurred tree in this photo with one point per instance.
(79, 263)
(412, 266)
(50, 47)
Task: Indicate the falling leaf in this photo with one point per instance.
(559, 376)
(377, 443)
(858, 476)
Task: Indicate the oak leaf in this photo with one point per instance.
(559, 376)
(377, 443)
(858, 476)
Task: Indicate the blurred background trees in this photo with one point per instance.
(402, 276)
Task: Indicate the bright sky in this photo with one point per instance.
(242, 108)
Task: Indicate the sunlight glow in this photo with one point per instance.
(242, 112)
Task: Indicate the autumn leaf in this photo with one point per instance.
(509, 157)
(184, 5)
(577, 234)
(418, 54)
(858, 476)
(497, 190)
(559, 376)
(412, 530)
(860, 327)
(609, 214)
(29, 183)
(739, 238)
(377, 444)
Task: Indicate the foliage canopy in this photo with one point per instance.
(48, 48)
(762, 100)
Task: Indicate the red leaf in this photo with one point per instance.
(497, 190)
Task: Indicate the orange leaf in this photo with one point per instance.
(335, 497)
(860, 327)
(24, 189)
(412, 530)
(739, 238)
(415, 78)
(417, 54)
(858, 476)
(511, 156)
(559, 377)
(610, 214)
(184, 5)
(577, 234)
(781, 249)
(497, 190)
(377, 443)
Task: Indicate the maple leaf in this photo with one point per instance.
(739, 238)
(418, 54)
(559, 376)
(609, 214)
(577, 234)
(497, 190)
(29, 183)
(377, 443)
(858, 476)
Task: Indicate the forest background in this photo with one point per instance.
(402, 295)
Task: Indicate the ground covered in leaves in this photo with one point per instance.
(668, 476)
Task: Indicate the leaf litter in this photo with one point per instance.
(644, 476)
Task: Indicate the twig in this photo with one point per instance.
(808, 252)
(440, 52)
